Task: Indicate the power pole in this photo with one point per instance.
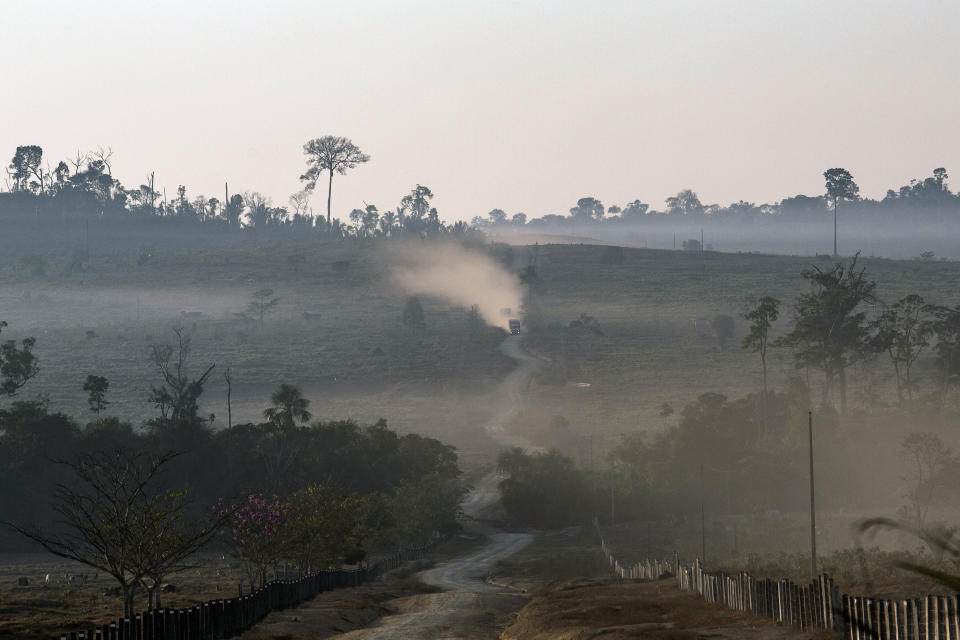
(703, 526)
(835, 228)
(612, 504)
(813, 511)
(229, 380)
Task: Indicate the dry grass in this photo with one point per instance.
(584, 608)
(41, 610)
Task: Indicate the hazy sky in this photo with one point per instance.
(525, 106)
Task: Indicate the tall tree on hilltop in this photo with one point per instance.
(330, 154)
(840, 186)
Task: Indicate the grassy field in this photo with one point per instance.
(654, 309)
(356, 359)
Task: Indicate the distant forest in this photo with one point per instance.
(82, 189)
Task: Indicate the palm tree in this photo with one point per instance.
(289, 407)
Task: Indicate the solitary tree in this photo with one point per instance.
(289, 407)
(330, 154)
(96, 387)
(840, 186)
(761, 318)
(277, 447)
(263, 303)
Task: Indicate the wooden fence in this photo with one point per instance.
(230, 617)
(817, 605)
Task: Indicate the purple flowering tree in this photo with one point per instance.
(256, 530)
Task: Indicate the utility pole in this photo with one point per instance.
(703, 527)
(612, 504)
(835, 228)
(813, 511)
(703, 256)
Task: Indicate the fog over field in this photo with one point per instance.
(479, 320)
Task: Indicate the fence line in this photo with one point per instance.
(229, 617)
(817, 605)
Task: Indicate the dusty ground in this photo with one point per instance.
(584, 608)
(339, 611)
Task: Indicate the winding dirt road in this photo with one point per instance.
(461, 609)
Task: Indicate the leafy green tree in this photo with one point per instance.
(415, 213)
(497, 216)
(96, 388)
(233, 210)
(830, 331)
(26, 163)
(17, 364)
(761, 318)
(840, 186)
(330, 154)
(903, 331)
(279, 453)
(325, 527)
(543, 489)
(421, 507)
(587, 209)
(685, 203)
(289, 407)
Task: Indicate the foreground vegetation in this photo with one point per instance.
(137, 504)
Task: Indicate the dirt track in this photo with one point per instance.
(468, 607)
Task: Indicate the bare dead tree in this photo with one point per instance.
(104, 156)
(178, 397)
(116, 517)
(300, 201)
(79, 161)
(99, 514)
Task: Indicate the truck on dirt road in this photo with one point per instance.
(515, 327)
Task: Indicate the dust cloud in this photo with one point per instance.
(465, 278)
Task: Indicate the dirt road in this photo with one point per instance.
(510, 394)
(469, 607)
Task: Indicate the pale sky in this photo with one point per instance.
(523, 106)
